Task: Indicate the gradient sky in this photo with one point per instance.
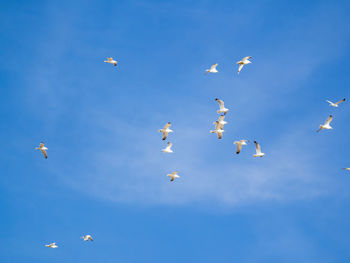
(105, 174)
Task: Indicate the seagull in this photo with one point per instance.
(52, 245)
(258, 150)
(239, 144)
(43, 149)
(173, 176)
(348, 169)
(168, 148)
(87, 238)
(335, 104)
(326, 125)
(110, 60)
(222, 107)
(221, 120)
(166, 130)
(218, 129)
(243, 62)
(212, 69)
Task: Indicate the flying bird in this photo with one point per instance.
(110, 60)
(348, 169)
(218, 129)
(212, 69)
(221, 120)
(168, 148)
(166, 130)
(52, 245)
(243, 62)
(222, 107)
(87, 238)
(326, 125)
(258, 150)
(43, 149)
(335, 104)
(173, 176)
(239, 144)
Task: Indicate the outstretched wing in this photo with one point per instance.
(239, 148)
(167, 126)
(221, 103)
(44, 153)
(328, 121)
(339, 101)
(257, 147)
(240, 67)
(214, 66)
(246, 58)
(165, 135)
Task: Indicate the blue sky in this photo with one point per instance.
(106, 175)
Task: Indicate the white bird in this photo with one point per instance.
(258, 150)
(168, 148)
(52, 245)
(221, 120)
(110, 60)
(326, 125)
(218, 129)
(222, 107)
(348, 169)
(212, 69)
(166, 130)
(243, 62)
(173, 176)
(43, 149)
(335, 104)
(239, 144)
(87, 238)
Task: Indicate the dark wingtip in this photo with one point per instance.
(237, 152)
(344, 99)
(216, 99)
(331, 115)
(255, 142)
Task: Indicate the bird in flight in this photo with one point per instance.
(221, 120)
(166, 130)
(43, 149)
(218, 129)
(52, 245)
(110, 60)
(335, 104)
(258, 150)
(168, 148)
(348, 169)
(239, 144)
(87, 238)
(243, 62)
(222, 107)
(212, 69)
(173, 176)
(326, 125)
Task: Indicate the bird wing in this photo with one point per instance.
(167, 126)
(246, 58)
(239, 148)
(221, 118)
(257, 147)
(165, 135)
(41, 145)
(44, 153)
(169, 145)
(110, 59)
(218, 126)
(240, 67)
(219, 135)
(175, 173)
(339, 102)
(329, 102)
(328, 121)
(221, 103)
(214, 66)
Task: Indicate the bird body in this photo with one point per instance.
(326, 125)
(258, 150)
(221, 120)
(212, 69)
(110, 60)
(222, 107)
(168, 148)
(239, 144)
(243, 62)
(43, 149)
(87, 238)
(173, 176)
(52, 245)
(166, 130)
(335, 104)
